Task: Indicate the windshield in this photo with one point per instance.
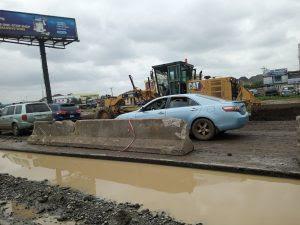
(68, 107)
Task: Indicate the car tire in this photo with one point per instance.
(104, 115)
(203, 129)
(15, 129)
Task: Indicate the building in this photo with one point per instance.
(281, 77)
(275, 77)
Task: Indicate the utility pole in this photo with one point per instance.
(111, 91)
(45, 70)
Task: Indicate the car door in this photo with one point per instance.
(8, 118)
(182, 107)
(153, 110)
(2, 118)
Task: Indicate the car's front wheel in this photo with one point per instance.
(203, 129)
(15, 129)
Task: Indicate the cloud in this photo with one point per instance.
(118, 38)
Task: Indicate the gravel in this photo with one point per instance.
(66, 204)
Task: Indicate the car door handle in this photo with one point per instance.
(161, 113)
(193, 109)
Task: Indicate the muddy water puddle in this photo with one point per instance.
(189, 195)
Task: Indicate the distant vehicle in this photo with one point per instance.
(91, 103)
(271, 92)
(254, 92)
(20, 117)
(288, 91)
(65, 111)
(206, 116)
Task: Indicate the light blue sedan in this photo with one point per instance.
(206, 116)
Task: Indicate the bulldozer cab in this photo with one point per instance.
(171, 78)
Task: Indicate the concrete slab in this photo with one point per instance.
(159, 136)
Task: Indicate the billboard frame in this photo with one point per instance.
(50, 42)
(43, 42)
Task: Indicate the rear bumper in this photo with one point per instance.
(238, 121)
(25, 126)
(61, 118)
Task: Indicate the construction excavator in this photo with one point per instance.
(175, 78)
(111, 106)
(181, 77)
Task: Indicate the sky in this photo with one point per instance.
(117, 38)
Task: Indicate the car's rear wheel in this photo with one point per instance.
(15, 129)
(203, 129)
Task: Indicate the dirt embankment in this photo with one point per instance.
(276, 112)
(65, 204)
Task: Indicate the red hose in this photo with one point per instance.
(133, 139)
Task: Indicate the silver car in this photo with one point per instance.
(20, 117)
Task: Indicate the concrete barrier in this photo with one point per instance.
(160, 136)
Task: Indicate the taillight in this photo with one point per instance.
(231, 108)
(62, 112)
(24, 117)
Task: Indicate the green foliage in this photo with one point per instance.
(256, 84)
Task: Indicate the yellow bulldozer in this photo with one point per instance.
(175, 78)
(181, 78)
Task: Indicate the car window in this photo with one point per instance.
(18, 109)
(54, 107)
(10, 110)
(181, 102)
(68, 107)
(158, 104)
(4, 111)
(37, 107)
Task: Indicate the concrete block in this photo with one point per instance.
(160, 136)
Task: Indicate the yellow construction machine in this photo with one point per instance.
(181, 78)
(111, 106)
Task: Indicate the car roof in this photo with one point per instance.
(194, 96)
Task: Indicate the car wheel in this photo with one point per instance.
(104, 115)
(203, 129)
(15, 129)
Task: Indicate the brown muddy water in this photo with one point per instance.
(189, 195)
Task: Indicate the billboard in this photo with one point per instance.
(18, 25)
(277, 72)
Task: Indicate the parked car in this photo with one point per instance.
(288, 91)
(20, 117)
(272, 91)
(254, 92)
(206, 116)
(65, 111)
(91, 103)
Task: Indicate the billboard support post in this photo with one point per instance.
(45, 70)
(38, 30)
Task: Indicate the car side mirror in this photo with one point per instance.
(142, 109)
